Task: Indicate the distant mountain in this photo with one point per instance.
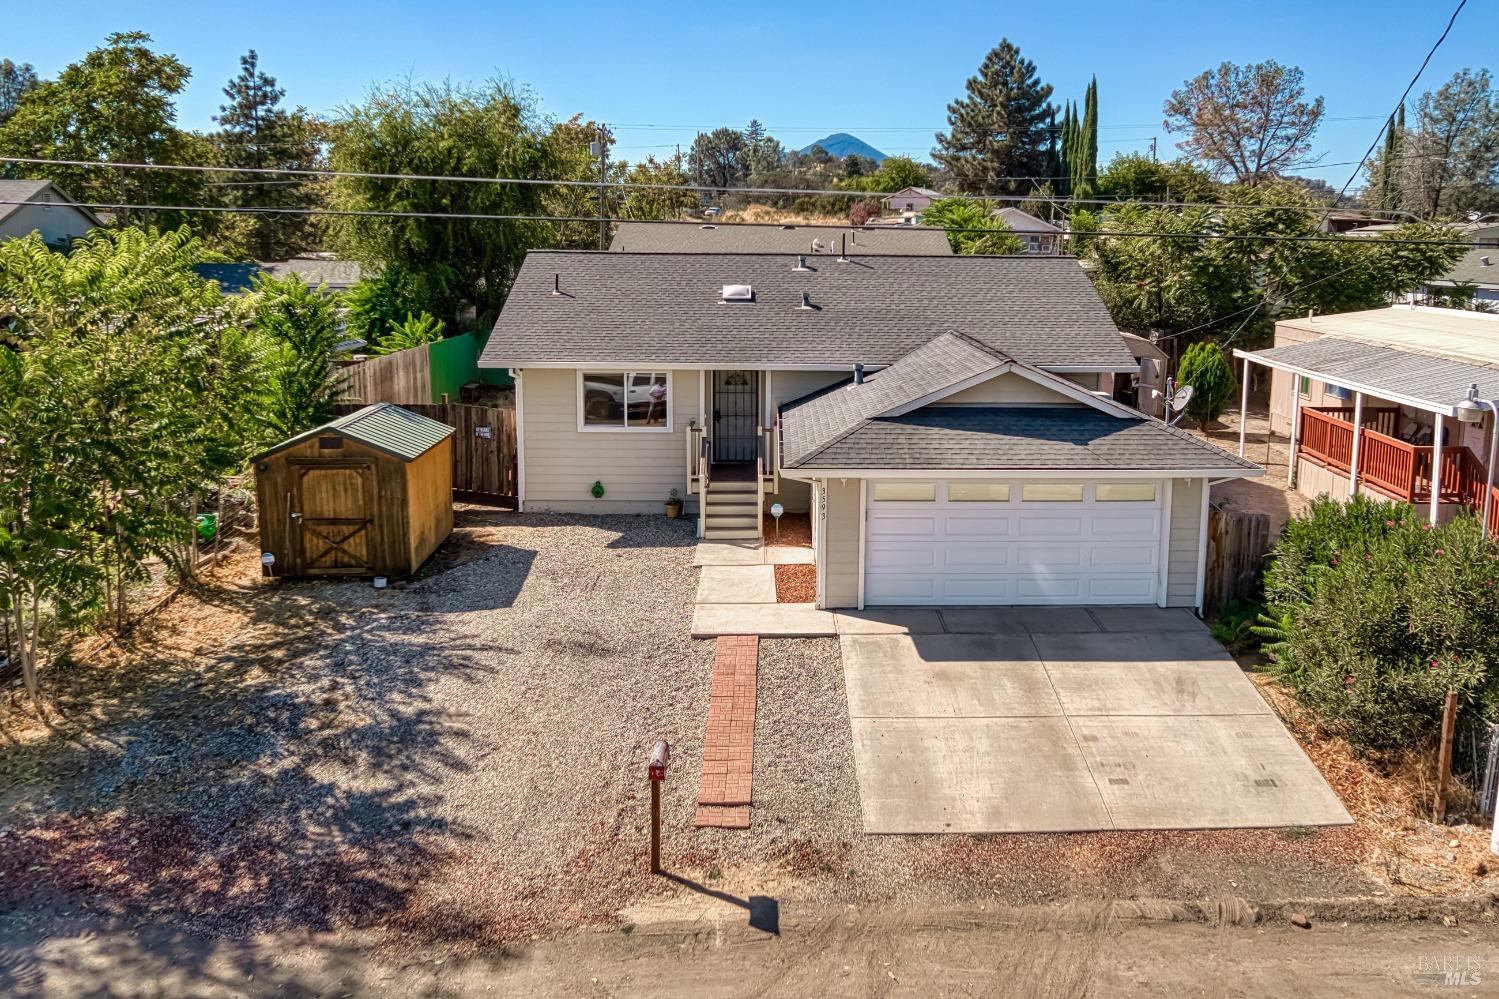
(841, 144)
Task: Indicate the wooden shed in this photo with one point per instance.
(370, 494)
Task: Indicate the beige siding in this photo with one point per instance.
(638, 469)
(840, 543)
(1185, 528)
(1007, 389)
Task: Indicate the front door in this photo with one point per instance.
(736, 415)
(334, 514)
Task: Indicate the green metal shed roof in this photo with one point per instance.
(383, 426)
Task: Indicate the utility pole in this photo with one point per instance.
(603, 153)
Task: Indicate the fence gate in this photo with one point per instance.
(484, 451)
(1237, 546)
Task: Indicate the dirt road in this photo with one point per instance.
(1135, 948)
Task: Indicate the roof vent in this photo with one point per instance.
(556, 283)
(1484, 261)
(859, 374)
(806, 305)
(788, 227)
(738, 293)
(842, 250)
(801, 263)
(707, 227)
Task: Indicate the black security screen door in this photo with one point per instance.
(736, 407)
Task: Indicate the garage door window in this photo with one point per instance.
(1126, 492)
(1052, 492)
(978, 492)
(905, 492)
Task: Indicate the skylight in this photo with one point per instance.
(738, 293)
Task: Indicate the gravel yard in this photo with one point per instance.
(462, 761)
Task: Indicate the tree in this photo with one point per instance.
(117, 103)
(259, 134)
(1386, 193)
(128, 387)
(719, 159)
(448, 265)
(1080, 145)
(300, 328)
(1246, 122)
(15, 83)
(1131, 176)
(895, 174)
(664, 202)
(998, 132)
(1205, 368)
(971, 229)
(862, 211)
(413, 331)
(1447, 163)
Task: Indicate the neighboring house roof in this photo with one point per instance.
(336, 275)
(666, 309)
(891, 420)
(1024, 222)
(1429, 382)
(1433, 332)
(655, 237)
(1478, 267)
(17, 194)
(925, 192)
(383, 426)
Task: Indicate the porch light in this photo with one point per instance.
(1471, 410)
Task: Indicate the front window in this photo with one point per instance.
(625, 400)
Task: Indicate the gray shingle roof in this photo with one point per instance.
(33, 190)
(383, 426)
(649, 237)
(336, 275)
(1472, 269)
(823, 417)
(1019, 438)
(1437, 382)
(665, 308)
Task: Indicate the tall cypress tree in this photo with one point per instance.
(1085, 163)
(1389, 160)
(998, 131)
(1069, 148)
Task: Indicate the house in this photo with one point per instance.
(655, 237)
(318, 270)
(1369, 401)
(1476, 271)
(28, 206)
(938, 416)
(910, 199)
(1346, 220)
(1039, 235)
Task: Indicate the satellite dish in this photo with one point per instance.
(1180, 398)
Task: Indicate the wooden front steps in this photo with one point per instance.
(731, 511)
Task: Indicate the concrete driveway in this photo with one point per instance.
(1067, 719)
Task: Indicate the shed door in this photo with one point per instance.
(335, 510)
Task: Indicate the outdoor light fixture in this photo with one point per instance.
(1471, 410)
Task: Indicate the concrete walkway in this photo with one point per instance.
(1065, 719)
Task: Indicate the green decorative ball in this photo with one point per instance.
(597, 490)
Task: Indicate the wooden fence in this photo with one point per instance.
(403, 377)
(1237, 546)
(484, 447)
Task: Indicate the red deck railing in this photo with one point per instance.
(1391, 465)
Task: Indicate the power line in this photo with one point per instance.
(651, 186)
(487, 217)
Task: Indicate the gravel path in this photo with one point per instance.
(462, 760)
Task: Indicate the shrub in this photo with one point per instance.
(1373, 615)
(1212, 379)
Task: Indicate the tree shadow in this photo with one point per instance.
(284, 774)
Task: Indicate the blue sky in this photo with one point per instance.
(885, 72)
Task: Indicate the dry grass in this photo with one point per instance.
(779, 216)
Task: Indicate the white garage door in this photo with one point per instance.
(1015, 542)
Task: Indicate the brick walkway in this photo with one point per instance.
(725, 793)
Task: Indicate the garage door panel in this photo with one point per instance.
(975, 555)
(1050, 526)
(894, 525)
(1013, 552)
(902, 557)
(978, 525)
(1143, 556)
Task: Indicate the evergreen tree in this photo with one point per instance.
(1088, 173)
(1389, 163)
(259, 134)
(15, 83)
(1069, 149)
(998, 131)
